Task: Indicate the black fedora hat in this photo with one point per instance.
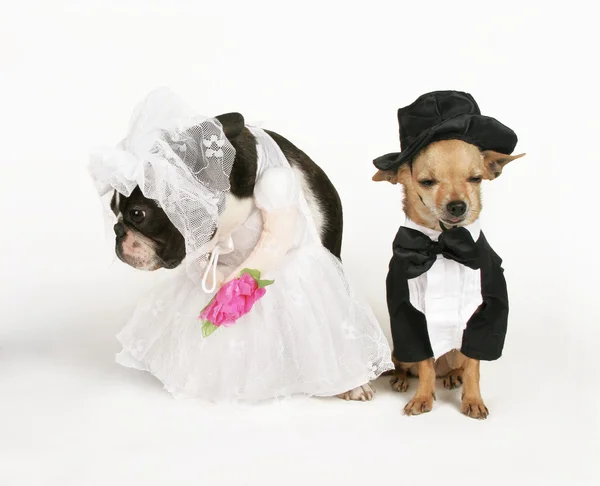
(446, 115)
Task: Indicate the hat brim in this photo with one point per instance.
(485, 132)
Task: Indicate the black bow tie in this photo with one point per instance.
(420, 252)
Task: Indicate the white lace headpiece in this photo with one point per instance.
(177, 158)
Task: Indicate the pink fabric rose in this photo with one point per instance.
(235, 299)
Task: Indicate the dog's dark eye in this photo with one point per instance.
(475, 180)
(137, 216)
(427, 182)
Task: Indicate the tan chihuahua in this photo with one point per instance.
(442, 189)
(444, 186)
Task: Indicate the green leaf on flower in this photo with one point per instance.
(208, 328)
(255, 274)
(265, 283)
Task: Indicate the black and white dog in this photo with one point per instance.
(147, 240)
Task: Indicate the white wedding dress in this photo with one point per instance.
(310, 334)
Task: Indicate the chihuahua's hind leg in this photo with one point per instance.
(399, 379)
(454, 379)
(449, 367)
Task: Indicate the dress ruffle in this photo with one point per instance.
(310, 334)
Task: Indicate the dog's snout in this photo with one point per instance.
(119, 230)
(457, 208)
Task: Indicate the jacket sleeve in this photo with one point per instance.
(408, 325)
(485, 333)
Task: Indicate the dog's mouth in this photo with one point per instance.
(448, 221)
(142, 255)
(453, 221)
(137, 262)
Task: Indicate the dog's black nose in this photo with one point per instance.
(456, 208)
(119, 230)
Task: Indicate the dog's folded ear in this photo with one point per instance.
(494, 162)
(233, 124)
(393, 176)
(386, 175)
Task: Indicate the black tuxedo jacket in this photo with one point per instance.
(483, 338)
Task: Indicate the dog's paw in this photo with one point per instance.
(474, 408)
(399, 382)
(419, 404)
(453, 379)
(362, 393)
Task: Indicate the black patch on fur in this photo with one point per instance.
(243, 176)
(243, 172)
(323, 190)
(170, 244)
(233, 124)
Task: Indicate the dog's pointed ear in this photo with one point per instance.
(386, 175)
(233, 124)
(494, 162)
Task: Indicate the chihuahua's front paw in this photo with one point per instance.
(419, 404)
(363, 393)
(474, 408)
(453, 379)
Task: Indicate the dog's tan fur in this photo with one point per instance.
(445, 171)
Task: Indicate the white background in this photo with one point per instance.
(330, 77)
